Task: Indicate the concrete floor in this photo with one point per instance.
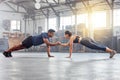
(85, 66)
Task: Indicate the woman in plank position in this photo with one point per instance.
(87, 42)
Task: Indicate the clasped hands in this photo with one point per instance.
(58, 43)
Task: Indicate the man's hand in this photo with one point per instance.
(50, 56)
(51, 44)
(58, 43)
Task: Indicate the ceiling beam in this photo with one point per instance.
(72, 2)
(43, 13)
(52, 8)
(55, 1)
(10, 6)
(73, 11)
(83, 2)
(18, 5)
(12, 11)
(109, 4)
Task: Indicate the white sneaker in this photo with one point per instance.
(112, 53)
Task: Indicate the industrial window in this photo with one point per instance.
(67, 21)
(15, 25)
(52, 24)
(99, 19)
(117, 17)
(82, 18)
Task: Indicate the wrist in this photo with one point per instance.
(69, 55)
(48, 54)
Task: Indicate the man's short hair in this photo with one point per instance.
(51, 30)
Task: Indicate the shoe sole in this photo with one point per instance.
(5, 55)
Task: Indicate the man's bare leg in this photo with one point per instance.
(7, 53)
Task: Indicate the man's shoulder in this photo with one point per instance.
(43, 33)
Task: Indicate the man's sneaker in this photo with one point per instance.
(9, 54)
(6, 54)
(112, 53)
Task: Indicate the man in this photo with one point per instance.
(34, 41)
(88, 42)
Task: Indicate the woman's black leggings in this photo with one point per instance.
(90, 43)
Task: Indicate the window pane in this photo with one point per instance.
(67, 21)
(52, 23)
(99, 19)
(18, 25)
(15, 25)
(117, 17)
(82, 18)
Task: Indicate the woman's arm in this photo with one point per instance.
(70, 51)
(70, 44)
(65, 44)
(70, 47)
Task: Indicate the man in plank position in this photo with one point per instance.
(34, 41)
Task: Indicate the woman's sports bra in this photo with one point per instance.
(76, 39)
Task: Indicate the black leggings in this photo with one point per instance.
(88, 42)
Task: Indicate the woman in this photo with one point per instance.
(88, 42)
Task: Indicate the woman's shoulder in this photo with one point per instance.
(73, 36)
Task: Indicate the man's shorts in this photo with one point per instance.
(27, 42)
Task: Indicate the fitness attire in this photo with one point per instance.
(88, 42)
(35, 40)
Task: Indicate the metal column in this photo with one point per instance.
(76, 23)
(90, 26)
(58, 22)
(47, 19)
(112, 10)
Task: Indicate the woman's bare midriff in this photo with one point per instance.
(80, 39)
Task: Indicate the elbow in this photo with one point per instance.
(48, 44)
(71, 47)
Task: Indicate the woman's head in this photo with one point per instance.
(68, 34)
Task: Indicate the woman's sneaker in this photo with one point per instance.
(112, 53)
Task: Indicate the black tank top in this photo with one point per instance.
(76, 39)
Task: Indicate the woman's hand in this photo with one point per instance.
(68, 57)
(50, 56)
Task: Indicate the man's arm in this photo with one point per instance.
(48, 51)
(50, 44)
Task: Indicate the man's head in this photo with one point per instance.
(51, 32)
(68, 34)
